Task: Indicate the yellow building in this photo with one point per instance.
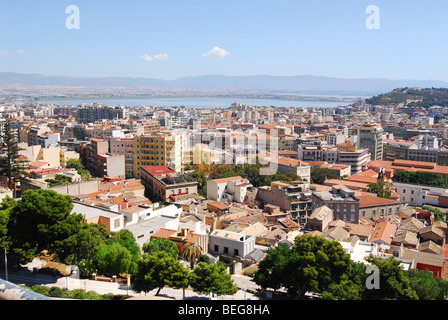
(158, 149)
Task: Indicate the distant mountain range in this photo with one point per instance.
(306, 84)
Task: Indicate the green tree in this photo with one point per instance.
(119, 254)
(212, 278)
(382, 189)
(271, 269)
(426, 286)
(79, 167)
(38, 221)
(319, 175)
(125, 238)
(312, 264)
(438, 214)
(191, 252)
(12, 169)
(161, 244)
(420, 178)
(394, 283)
(78, 240)
(315, 264)
(351, 286)
(5, 209)
(113, 259)
(158, 270)
(202, 182)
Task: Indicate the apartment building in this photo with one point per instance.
(161, 182)
(90, 114)
(370, 136)
(343, 202)
(343, 154)
(125, 147)
(110, 165)
(293, 197)
(356, 159)
(104, 131)
(287, 165)
(42, 135)
(159, 149)
(393, 149)
(233, 189)
(102, 163)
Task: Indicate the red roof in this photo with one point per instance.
(371, 201)
(384, 231)
(158, 170)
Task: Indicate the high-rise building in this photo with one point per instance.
(370, 136)
(158, 149)
(90, 114)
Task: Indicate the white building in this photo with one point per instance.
(427, 141)
(356, 159)
(230, 244)
(233, 188)
(419, 195)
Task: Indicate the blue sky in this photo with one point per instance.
(282, 37)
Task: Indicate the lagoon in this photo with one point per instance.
(202, 102)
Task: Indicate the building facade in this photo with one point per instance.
(370, 136)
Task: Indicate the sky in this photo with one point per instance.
(170, 39)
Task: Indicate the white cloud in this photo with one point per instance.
(157, 57)
(7, 53)
(216, 54)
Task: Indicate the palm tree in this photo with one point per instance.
(191, 252)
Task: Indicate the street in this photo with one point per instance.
(246, 286)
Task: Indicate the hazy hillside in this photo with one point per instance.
(414, 97)
(298, 84)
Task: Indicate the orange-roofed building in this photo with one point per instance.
(383, 233)
(393, 166)
(180, 237)
(371, 206)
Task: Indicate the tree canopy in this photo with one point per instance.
(420, 178)
(312, 264)
(161, 244)
(319, 175)
(382, 189)
(12, 168)
(321, 266)
(40, 220)
(212, 278)
(158, 270)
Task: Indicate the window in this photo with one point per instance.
(236, 252)
(216, 248)
(226, 250)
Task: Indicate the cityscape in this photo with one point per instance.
(228, 188)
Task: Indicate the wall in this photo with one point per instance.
(244, 247)
(73, 189)
(274, 196)
(417, 194)
(369, 212)
(115, 166)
